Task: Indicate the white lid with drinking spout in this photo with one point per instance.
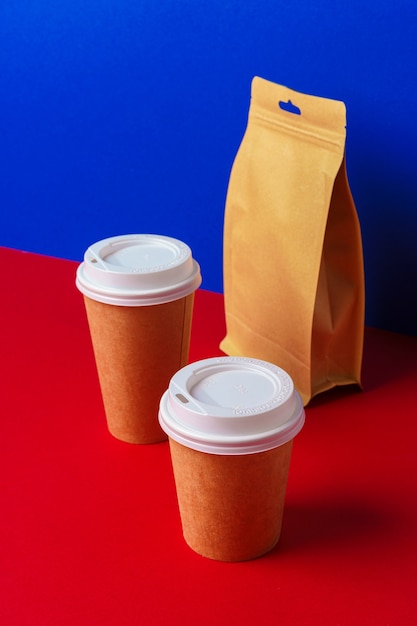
(231, 405)
(138, 270)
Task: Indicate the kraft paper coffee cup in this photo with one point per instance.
(231, 422)
(138, 292)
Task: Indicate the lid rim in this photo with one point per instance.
(252, 446)
(212, 428)
(136, 298)
(152, 279)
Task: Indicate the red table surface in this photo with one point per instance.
(90, 530)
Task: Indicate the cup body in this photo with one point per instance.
(231, 422)
(231, 506)
(138, 293)
(137, 350)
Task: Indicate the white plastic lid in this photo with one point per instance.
(231, 405)
(138, 270)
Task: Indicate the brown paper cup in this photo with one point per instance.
(231, 507)
(231, 422)
(138, 292)
(137, 350)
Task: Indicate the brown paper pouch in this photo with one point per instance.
(293, 266)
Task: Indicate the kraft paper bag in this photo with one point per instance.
(293, 265)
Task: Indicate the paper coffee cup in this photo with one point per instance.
(138, 293)
(231, 422)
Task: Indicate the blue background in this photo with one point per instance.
(122, 116)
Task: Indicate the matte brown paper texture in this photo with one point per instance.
(231, 506)
(137, 350)
(293, 265)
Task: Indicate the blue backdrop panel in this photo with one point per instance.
(125, 116)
